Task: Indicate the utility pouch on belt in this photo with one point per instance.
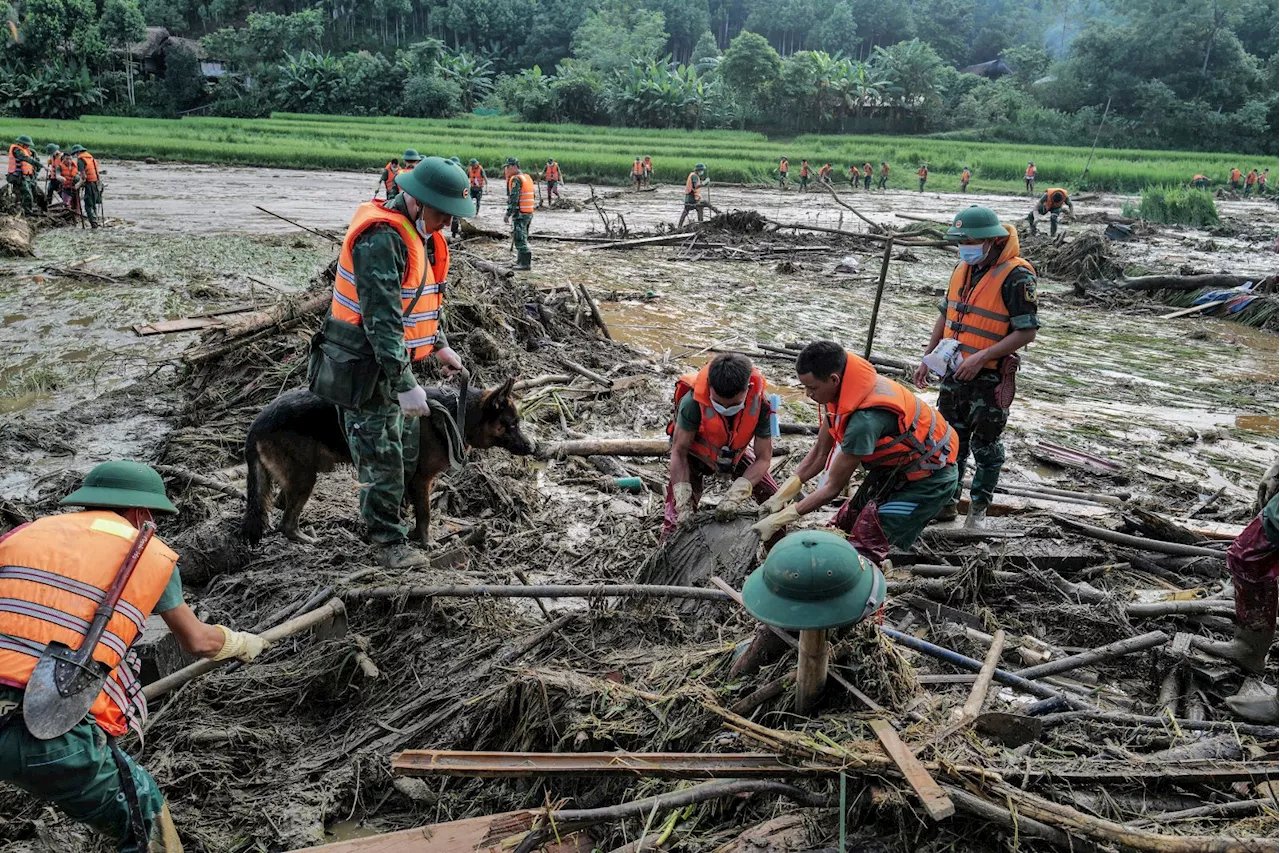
(1008, 381)
(342, 369)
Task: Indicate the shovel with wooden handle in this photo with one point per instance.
(66, 681)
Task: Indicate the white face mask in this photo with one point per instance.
(972, 254)
(728, 411)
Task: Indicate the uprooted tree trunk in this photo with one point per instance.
(15, 237)
(1183, 282)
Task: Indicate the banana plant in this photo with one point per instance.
(473, 75)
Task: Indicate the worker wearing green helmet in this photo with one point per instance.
(477, 179)
(21, 173)
(693, 193)
(987, 316)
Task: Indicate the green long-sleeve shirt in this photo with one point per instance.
(24, 156)
(379, 258)
(513, 194)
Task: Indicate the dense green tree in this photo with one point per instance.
(837, 33)
(913, 69)
(684, 21)
(615, 38)
(748, 68)
(550, 31)
(121, 25)
(1029, 63)
(882, 22)
(946, 25)
(184, 84)
(430, 97)
(706, 54)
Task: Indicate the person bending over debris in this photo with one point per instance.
(520, 205)
(1051, 204)
(824, 174)
(477, 178)
(21, 173)
(56, 571)
(1199, 182)
(87, 183)
(990, 310)
(721, 424)
(1252, 562)
(906, 446)
(385, 315)
(693, 192)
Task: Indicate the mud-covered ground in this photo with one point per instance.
(1187, 406)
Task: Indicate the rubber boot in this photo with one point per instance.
(949, 512)
(401, 555)
(524, 261)
(1248, 649)
(977, 517)
(1256, 702)
(1053, 228)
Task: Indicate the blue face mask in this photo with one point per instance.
(728, 411)
(972, 254)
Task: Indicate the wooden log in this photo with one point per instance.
(1101, 653)
(764, 693)
(595, 312)
(1184, 282)
(1236, 809)
(978, 694)
(875, 308)
(1139, 542)
(1021, 825)
(589, 374)
(495, 270)
(1084, 497)
(288, 313)
(537, 591)
(1149, 609)
(1137, 720)
(812, 671)
(472, 835)
(539, 381)
(878, 238)
(638, 242)
(333, 610)
(200, 480)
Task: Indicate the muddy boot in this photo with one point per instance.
(977, 517)
(1248, 649)
(1256, 702)
(1053, 227)
(401, 555)
(524, 261)
(949, 512)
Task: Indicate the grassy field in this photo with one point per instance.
(604, 154)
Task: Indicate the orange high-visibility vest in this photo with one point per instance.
(419, 326)
(925, 442)
(1235, 175)
(637, 168)
(1031, 173)
(1199, 178)
(90, 167)
(804, 170)
(1055, 197)
(824, 172)
(526, 201)
(476, 174)
(67, 168)
(54, 572)
(390, 181)
(866, 169)
(976, 314)
(648, 164)
(16, 166)
(693, 187)
(783, 165)
(720, 443)
(553, 171)
(884, 169)
(1251, 177)
(964, 176)
(922, 172)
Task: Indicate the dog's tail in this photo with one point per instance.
(257, 490)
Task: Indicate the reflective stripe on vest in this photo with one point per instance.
(526, 202)
(54, 573)
(421, 323)
(16, 166)
(976, 314)
(90, 167)
(918, 449)
(719, 444)
(553, 172)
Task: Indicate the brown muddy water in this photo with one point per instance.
(1189, 395)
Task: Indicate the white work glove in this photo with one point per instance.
(450, 360)
(414, 402)
(682, 493)
(1268, 487)
(770, 525)
(734, 499)
(782, 497)
(239, 644)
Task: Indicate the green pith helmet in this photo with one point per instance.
(813, 579)
(455, 161)
(439, 184)
(24, 140)
(512, 161)
(474, 162)
(51, 148)
(121, 485)
(411, 155)
(77, 149)
(701, 167)
(976, 223)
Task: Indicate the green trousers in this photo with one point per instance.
(384, 447)
(24, 189)
(904, 513)
(477, 193)
(78, 773)
(972, 410)
(520, 223)
(92, 201)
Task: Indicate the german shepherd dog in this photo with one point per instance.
(300, 435)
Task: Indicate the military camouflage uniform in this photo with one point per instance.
(520, 223)
(383, 442)
(971, 407)
(24, 186)
(92, 194)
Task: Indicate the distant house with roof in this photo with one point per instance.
(993, 70)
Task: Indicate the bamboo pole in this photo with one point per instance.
(812, 670)
(875, 308)
(978, 694)
(1139, 542)
(1101, 653)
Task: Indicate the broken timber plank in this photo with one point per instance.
(473, 835)
(195, 321)
(932, 797)
(655, 765)
(1194, 309)
(1071, 458)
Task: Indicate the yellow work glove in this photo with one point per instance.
(683, 494)
(770, 525)
(785, 493)
(734, 499)
(239, 644)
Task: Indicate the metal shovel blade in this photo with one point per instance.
(61, 691)
(1012, 730)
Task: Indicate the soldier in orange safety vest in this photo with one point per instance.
(648, 169)
(1249, 180)
(637, 174)
(1050, 205)
(1235, 179)
(987, 316)
(784, 166)
(552, 176)
(520, 205)
(387, 180)
(722, 424)
(54, 572)
(868, 420)
(385, 315)
(1029, 177)
(693, 193)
